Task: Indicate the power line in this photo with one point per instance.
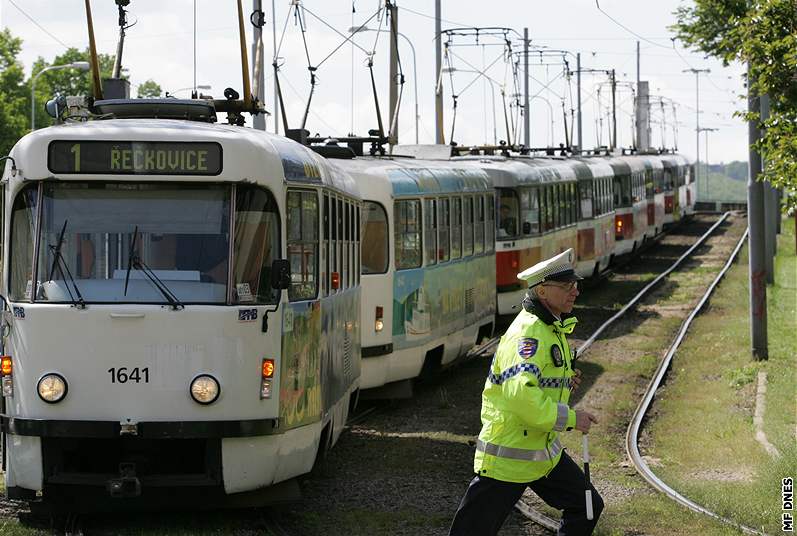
(433, 17)
(627, 29)
(42, 28)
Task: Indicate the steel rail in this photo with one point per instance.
(632, 434)
(641, 294)
(549, 522)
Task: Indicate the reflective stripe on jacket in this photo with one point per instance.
(525, 398)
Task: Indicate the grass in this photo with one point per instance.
(695, 431)
(721, 188)
(704, 431)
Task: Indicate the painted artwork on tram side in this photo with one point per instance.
(300, 382)
(434, 301)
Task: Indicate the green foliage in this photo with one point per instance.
(13, 91)
(66, 81)
(149, 90)
(764, 34)
(736, 170)
(742, 376)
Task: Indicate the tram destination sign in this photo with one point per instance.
(134, 157)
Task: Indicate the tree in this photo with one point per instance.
(149, 90)
(65, 81)
(764, 34)
(13, 101)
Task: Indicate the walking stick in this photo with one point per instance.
(587, 485)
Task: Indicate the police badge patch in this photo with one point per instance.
(527, 347)
(556, 355)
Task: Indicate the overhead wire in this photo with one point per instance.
(39, 26)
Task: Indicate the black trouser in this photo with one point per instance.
(488, 501)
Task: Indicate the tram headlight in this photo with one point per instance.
(52, 388)
(379, 325)
(205, 389)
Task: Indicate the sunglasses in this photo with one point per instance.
(567, 287)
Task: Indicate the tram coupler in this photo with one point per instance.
(127, 485)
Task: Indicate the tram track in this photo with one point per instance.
(634, 427)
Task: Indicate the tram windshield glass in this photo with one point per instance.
(108, 241)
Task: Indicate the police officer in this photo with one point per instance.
(525, 406)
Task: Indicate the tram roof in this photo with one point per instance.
(410, 176)
(248, 155)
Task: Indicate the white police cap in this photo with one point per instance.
(558, 268)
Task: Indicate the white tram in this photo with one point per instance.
(428, 267)
(182, 308)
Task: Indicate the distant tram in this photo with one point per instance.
(428, 266)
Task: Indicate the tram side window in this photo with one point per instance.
(340, 268)
(443, 226)
(478, 225)
(302, 222)
(639, 194)
(374, 244)
(333, 242)
(353, 244)
(256, 245)
(325, 247)
(357, 251)
(456, 228)
(467, 248)
(547, 209)
(572, 206)
(555, 205)
(668, 180)
(23, 228)
(407, 234)
(490, 204)
(346, 282)
(507, 213)
(616, 191)
(530, 210)
(430, 230)
(585, 196)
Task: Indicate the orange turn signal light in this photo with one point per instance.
(335, 280)
(6, 367)
(268, 368)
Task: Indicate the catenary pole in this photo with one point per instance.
(697, 117)
(274, 44)
(438, 66)
(578, 93)
(526, 76)
(614, 110)
(770, 208)
(755, 212)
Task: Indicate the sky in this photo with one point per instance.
(160, 46)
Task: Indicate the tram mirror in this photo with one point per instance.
(280, 274)
(526, 227)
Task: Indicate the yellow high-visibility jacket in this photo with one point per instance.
(525, 398)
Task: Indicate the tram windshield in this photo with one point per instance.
(87, 241)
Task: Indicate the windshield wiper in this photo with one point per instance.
(134, 261)
(130, 255)
(60, 263)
